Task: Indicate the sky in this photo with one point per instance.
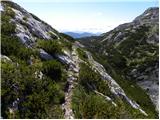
(96, 16)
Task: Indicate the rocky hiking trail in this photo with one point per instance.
(73, 74)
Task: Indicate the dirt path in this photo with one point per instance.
(73, 73)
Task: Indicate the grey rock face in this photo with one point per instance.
(151, 15)
(149, 18)
(29, 27)
(1, 8)
(44, 55)
(148, 80)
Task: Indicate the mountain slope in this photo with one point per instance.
(47, 74)
(131, 50)
(34, 65)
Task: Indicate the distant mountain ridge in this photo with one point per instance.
(80, 35)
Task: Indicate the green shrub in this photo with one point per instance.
(10, 45)
(5, 18)
(8, 28)
(90, 106)
(25, 53)
(116, 59)
(50, 46)
(25, 18)
(39, 98)
(82, 54)
(53, 69)
(87, 105)
(66, 44)
(10, 12)
(91, 80)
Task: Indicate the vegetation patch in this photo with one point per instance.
(88, 105)
(53, 69)
(50, 46)
(129, 85)
(82, 54)
(37, 98)
(91, 80)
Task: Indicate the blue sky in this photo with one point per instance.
(86, 15)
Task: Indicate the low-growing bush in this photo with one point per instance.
(82, 54)
(38, 98)
(50, 46)
(53, 69)
(90, 106)
(66, 44)
(10, 12)
(91, 80)
(8, 28)
(87, 105)
(10, 45)
(25, 18)
(13, 46)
